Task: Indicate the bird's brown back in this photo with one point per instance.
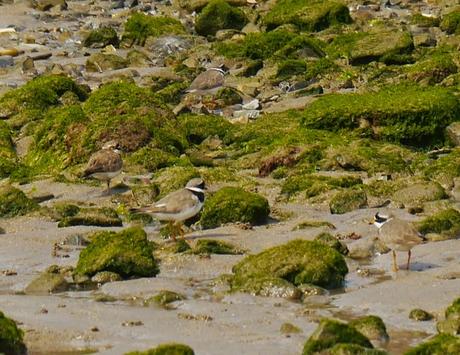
(105, 160)
(400, 235)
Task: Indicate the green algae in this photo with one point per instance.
(313, 15)
(354, 349)
(172, 94)
(101, 217)
(288, 328)
(289, 68)
(197, 128)
(441, 344)
(420, 315)
(219, 15)
(330, 333)
(13, 202)
(313, 224)
(446, 223)
(372, 327)
(332, 242)
(100, 62)
(127, 253)
(29, 102)
(228, 96)
(212, 246)
(233, 204)
(166, 349)
(139, 27)
(402, 113)
(453, 311)
(164, 298)
(451, 22)
(103, 36)
(297, 262)
(11, 337)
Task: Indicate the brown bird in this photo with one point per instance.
(105, 164)
(397, 235)
(178, 205)
(211, 79)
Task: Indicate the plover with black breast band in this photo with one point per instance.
(398, 235)
(178, 206)
(105, 164)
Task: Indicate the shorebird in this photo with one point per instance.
(397, 235)
(178, 206)
(105, 164)
(210, 80)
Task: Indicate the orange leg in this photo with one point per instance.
(395, 265)
(408, 259)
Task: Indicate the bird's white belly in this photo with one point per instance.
(106, 175)
(181, 216)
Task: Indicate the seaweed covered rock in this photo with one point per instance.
(199, 127)
(451, 22)
(7, 151)
(451, 323)
(307, 15)
(419, 193)
(297, 262)
(332, 241)
(101, 37)
(139, 27)
(441, 344)
(100, 62)
(347, 201)
(46, 283)
(219, 15)
(166, 349)
(372, 327)
(446, 223)
(354, 349)
(29, 102)
(102, 217)
(233, 204)
(13, 202)
(420, 315)
(128, 253)
(401, 113)
(11, 337)
(164, 298)
(211, 246)
(330, 333)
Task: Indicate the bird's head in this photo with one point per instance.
(196, 184)
(112, 145)
(380, 219)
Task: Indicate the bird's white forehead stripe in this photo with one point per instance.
(196, 189)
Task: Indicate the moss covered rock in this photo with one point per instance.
(166, 349)
(441, 344)
(11, 337)
(451, 323)
(372, 327)
(401, 113)
(13, 202)
(211, 246)
(199, 127)
(101, 37)
(313, 15)
(419, 193)
(139, 27)
(233, 204)
(420, 315)
(451, 22)
(29, 102)
(100, 62)
(354, 349)
(332, 241)
(330, 333)
(297, 262)
(446, 223)
(164, 297)
(101, 217)
(347, 201)
(47, 283)
(219, 15)
(128, 253)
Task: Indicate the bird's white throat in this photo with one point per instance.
(380, 224)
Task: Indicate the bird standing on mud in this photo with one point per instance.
(178, 206)
(398, 235)
(105, 164)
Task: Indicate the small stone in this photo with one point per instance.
(252, 105)
(132, 323)
(106, 276)
(6, 61)
(288, 328)
(94, 329)
(420, 315)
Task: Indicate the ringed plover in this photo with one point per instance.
(397, 235)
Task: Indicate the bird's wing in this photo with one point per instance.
(175, 202)
(103, 161)
(207, 80)
(401, 233)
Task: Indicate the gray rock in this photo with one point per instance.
(47, 283)
(6, 61)
(165, 46)
(250, 114)
(419, 193)
(251, 105)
